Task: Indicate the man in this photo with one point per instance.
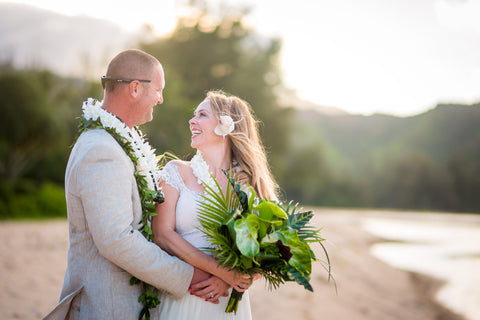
(105, 211)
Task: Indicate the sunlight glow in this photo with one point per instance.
(396, 57)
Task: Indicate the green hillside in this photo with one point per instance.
(427, 161)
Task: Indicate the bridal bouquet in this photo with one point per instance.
(254, 235)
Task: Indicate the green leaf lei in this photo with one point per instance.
(149, 297)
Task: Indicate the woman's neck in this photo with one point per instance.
(218, 159)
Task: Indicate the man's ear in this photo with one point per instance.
(134, 88)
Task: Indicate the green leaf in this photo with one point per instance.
(253, 197)
(300, 278)
(262, 231)
(301, 258)
(270, 212)
(246, 230)
(299, 220)
(134, 281)
(147, 229)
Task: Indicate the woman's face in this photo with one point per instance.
(202, 126)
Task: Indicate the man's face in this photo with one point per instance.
(151, 95)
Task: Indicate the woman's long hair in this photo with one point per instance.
(247, 148)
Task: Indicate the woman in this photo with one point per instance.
(226, 137)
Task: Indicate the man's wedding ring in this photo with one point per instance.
(211, 294)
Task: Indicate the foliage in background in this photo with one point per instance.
(29, 199)
(207, 52)
(430, 161)
(37, 128)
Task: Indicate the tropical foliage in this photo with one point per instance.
(258, 236)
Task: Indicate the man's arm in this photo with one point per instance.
(106, 186)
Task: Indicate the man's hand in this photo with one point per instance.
(199, 275)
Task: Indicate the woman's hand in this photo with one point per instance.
(242, 281)
(210, 289)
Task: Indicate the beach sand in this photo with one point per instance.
(33, 260)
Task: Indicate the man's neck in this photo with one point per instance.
(118, 109)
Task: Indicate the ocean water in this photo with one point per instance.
(448, 249)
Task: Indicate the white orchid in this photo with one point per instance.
(108, 121)
(91, 109)
(225, 126)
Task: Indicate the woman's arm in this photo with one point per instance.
(165, 236)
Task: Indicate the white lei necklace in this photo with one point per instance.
(147, 162)
(201, 170)
(147, 175)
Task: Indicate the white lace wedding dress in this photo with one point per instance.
(192, 307)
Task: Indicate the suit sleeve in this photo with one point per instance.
(106, 186)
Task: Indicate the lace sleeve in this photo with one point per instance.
(170, 175)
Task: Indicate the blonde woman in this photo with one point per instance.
(226, 137)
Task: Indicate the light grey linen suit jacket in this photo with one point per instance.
(106, 248)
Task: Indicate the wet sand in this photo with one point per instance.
(33, 261)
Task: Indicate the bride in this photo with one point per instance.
(226, 137)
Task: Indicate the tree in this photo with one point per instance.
(205, 53)
(29, 130)
(465, 176)
(414, 182)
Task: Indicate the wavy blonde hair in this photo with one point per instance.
(247, 148)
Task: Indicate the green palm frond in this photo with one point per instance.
(165, 157)
(215, 209)
(310, 234)
(300, 279)
(299, 220)
(215, 212)
(275, 279)
(241, 196)
(307, 233)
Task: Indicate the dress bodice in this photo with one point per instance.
(190, 307)
(186, 212)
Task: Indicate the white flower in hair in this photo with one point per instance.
(225, 126)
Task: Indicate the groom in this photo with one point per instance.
(104, 207)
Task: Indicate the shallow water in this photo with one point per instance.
(447, 250)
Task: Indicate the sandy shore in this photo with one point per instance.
(33, 262)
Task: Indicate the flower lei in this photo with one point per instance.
(201, 170)
(147, 175)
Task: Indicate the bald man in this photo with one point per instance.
(104, 208)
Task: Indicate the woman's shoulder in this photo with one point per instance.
(180, 164)
(183, 168)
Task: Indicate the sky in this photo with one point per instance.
(399, 57)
